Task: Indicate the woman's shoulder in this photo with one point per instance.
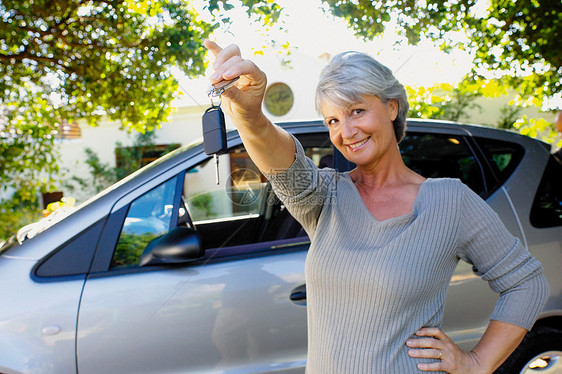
(453, 188)
(446, 184)
(446, 195)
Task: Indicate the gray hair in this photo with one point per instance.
(350, 75)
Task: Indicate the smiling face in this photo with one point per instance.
(363, 131)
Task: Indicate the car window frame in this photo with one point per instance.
(495, 180)
(536, 210)
(72, 259)
(172, 221)
(110, 234)
(468, 141)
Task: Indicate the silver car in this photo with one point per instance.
(168, 272)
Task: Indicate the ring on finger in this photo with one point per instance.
(440, 355)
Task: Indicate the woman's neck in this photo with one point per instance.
(388, 171)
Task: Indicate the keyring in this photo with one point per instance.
(211, 96)
(217, 89)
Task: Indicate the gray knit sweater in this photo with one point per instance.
(372, 284)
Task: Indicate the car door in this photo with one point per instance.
(230, 311)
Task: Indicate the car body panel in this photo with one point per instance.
(38, 321)
(196, 319)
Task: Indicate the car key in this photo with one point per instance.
(214, 134)
(214, 128)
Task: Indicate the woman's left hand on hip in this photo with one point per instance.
(435, 344)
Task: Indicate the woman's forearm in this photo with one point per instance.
(497, 343)
(270, 147)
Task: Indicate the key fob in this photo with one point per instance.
(214, 131)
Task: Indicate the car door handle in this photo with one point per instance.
(299, 293)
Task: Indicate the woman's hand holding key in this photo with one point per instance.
(271, 148)
(243, 101)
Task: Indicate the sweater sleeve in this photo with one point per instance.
(502, 261)
(304, 188)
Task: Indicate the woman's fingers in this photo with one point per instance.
(429, 348)
(424, 343)
(229, 64)
(225, 59)
(432, 331)
(212, 46)
(237, 67)
(426, 353)
(242, 101)
(432, 343)
(225, 70)
(435, 366)
(425, 348)
(226, 54)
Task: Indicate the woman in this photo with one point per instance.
(384, 240)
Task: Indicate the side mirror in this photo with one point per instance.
(180, 245)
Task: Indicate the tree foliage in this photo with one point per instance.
(445, 101)
(27, 127)
(266, 11)
(67, 59)
(101, 57)
(538, 128)
(451, 102)
(457, 102)
(16, 213)
(521, 39)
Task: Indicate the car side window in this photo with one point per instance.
(231, 212)
(503, 157)
(243, 209)
(240, 192)
(547, 205)
(148, 217)
(442, 156)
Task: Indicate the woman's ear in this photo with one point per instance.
(393, 106)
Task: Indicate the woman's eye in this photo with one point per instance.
(331, 122)
(356, 112)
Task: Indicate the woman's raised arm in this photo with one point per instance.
(271, 148)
